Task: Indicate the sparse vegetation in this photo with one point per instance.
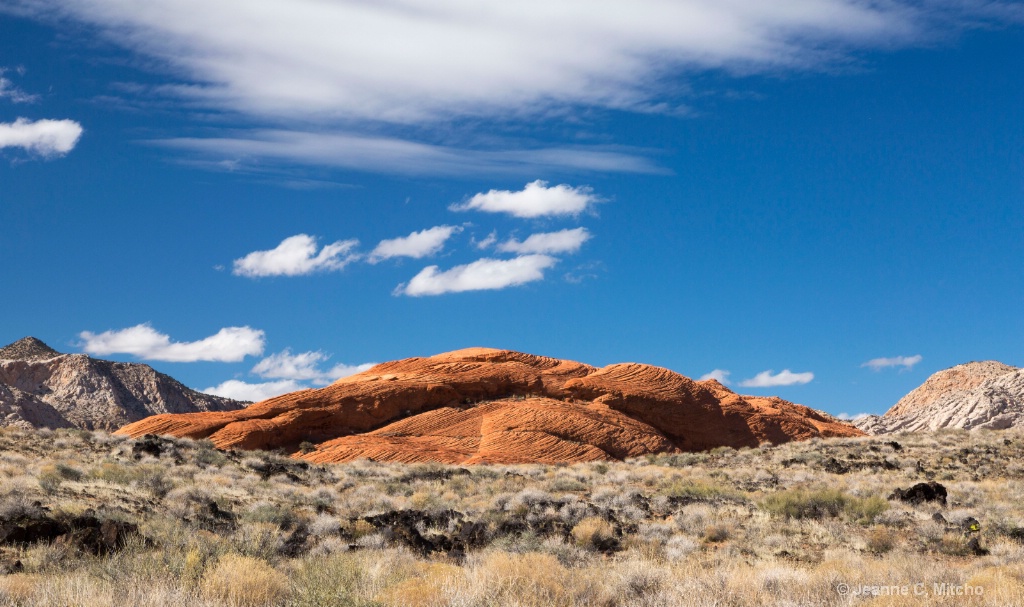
(788, 524)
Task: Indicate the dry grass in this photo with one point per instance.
(242, 581)
(795, 524)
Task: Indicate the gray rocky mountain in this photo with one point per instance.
(40, 387)
(985, 394)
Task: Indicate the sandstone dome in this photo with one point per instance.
(482, 405)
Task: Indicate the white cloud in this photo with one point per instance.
(535, 200)
(347, 150)
(488, 241)
(416, 245)
(362, 66)
(46, 138)
(406, 61)
(296, 256)
(846, 417)
(766, 379)
(16, 95)
(230, 344)
(907, 362)
(563, 241)
(240, 390)
(482, 274)
(719, 375)
(304, 366)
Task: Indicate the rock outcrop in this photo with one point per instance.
(40, 387)
(984, 394)
(482, 405)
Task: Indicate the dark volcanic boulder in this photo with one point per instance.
(920, 493)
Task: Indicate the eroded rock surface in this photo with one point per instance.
(984, 394)
(482, 405)
(40, 387)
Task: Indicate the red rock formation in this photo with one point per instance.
(481, 405)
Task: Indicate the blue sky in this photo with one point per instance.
(283, 191)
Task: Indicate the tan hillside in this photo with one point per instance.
(984, 394)
(40, 387)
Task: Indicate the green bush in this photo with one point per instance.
(822, 503)
(701, 490)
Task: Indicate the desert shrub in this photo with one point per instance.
(954, 544)
(865, 510)
(678, 547)
(51, 476)
(19, 589)
(717, 533)
(258, 540)
(522, 502)
(679, 460)
(17, 504)
(530, 579)
(373, 541)
(322, 499)
(427, 588)
(822, 503)
(328, 581)
(880, 540)
(242, 581)
(359, 528)
(567, 485)
(325, 525)
(49, 480)
(593, 532)
(801, 503)
(151, 477)
(700, 489)
(694, 518)
(267, 512)
(207, 455)
(68, 472)
(655, 532)
(568, 553)
(641, 582)
(893, 518)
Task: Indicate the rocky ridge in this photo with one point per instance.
(482, 405)
(40, 387)
(985, 394)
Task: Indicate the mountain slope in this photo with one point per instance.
(985, 394)
(40, 387)
(484, 405)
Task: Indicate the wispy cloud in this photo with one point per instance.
(304, 366)
(327, 67)
(240, 390)
(769, 379)
(297, 256)
(308, 59)
(563, 241)
(487, 242)
(482, 274)
(719, 375)
(9, 91)
(846, 417)
(907, 362)
(537, 199)
(416, 245)
(45, 138)
(230, 344)
(377, 154)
